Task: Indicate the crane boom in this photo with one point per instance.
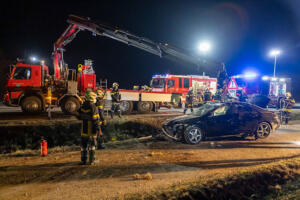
(78, 23)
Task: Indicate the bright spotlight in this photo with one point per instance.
(33, 59)
(250, 75)
(282, 79)
(265, 78)
(274, 79)
(275, 52)
(204, 47)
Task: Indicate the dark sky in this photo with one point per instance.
(242, 33)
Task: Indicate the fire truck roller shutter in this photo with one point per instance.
(70, 105)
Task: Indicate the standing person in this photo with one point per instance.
(207, 96)
(288, 104)
(189, 100)
(241, 95)
(89, 115)
(218, 96)
(100, 105)
(115, 100)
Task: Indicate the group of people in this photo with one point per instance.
(92, 115)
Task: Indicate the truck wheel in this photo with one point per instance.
(70, 105)
(144, 106)
(31, 104)
(126, 107)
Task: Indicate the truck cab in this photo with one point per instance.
(24, 77)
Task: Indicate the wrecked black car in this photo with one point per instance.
(221, 119)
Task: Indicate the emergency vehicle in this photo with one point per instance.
(274, 88)
(34, 89)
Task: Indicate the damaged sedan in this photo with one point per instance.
(222, 119)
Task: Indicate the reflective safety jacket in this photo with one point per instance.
(289, 102)
(100, 103)
(115, 96)
(89, 115)
(189, 97)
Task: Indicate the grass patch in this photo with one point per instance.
(249, 183)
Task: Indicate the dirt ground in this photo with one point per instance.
(58, 176)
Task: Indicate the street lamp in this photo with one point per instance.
(275, 53)
(204, 47)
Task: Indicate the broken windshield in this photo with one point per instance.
(204, 109)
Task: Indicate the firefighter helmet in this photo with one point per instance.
(90, 96)
(288, 94)
(115, 84)
(99, 93)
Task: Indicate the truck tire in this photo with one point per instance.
(70, 105)
(144, 106)
(31, 104)
(126, 107)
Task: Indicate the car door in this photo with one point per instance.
(247, 119)
(217, 121)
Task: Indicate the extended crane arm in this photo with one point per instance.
(79, 23)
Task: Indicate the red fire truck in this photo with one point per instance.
(34, 89)
(253, 85)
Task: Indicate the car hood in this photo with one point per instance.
(182, 119)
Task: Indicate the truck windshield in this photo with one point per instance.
(22, 73)
(204, 109)
(158, 83)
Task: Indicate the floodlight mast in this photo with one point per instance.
(275, 53)
(78, 24)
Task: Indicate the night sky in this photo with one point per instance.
(242, 33)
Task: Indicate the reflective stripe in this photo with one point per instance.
(95, 116)
(85, 111)
(100, 107)
(286, 109)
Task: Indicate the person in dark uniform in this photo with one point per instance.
(207, 96)
(115, 100)
(89, 115)
(218, 97)
(102, 122)
(288, 104)
(189, 100)
(241, 95)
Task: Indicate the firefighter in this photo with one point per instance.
(115, 100)
(288, 104)
(146, 88)
(136, 87)
(89, 115)
(242, 96)
(207, 96)
(189, 100)
(218, 96)
(100, 105)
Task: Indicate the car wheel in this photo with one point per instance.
(264, 129)
(193, 135)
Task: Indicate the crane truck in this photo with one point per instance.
(34, 89)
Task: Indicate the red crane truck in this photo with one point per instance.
(34, 89)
